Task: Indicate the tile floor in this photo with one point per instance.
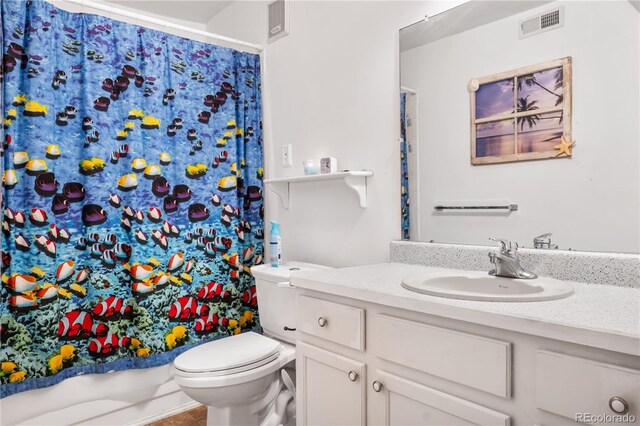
(193, 417)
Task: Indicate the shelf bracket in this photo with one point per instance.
(282, 190)
(359, 185)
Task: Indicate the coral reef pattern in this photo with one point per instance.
(131, 196)
(404, 170)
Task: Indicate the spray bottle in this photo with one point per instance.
(275, 245)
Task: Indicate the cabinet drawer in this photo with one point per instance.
(569, 386)
(474, 361)
(335, 322)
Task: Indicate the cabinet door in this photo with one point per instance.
(579, 388)
(396, 401)
(331, 389)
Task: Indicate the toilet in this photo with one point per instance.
(246, 379)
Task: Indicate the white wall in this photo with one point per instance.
(331, 87)
(589, 202)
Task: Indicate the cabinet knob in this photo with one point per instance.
(618, 405)
(322, 321)
(377, 386)
(353, 376)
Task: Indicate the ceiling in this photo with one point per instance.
(466, 16)
(462, 18)
(200, 11)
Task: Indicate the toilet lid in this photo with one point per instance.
(229, 353)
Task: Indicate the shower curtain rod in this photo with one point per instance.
(161, 22)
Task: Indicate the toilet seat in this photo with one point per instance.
(232, 360)
(234, 370)
(232, 354)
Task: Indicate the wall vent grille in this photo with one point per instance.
(278, 20)
(541, 22)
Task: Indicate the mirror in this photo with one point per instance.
(521, 118)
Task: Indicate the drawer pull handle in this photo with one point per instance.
(377, 386)
(322, 321)
(353, 376)
(618, 405)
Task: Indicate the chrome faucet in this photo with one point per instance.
(544, 242)
(506, 261)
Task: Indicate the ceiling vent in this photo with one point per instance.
(278, 20)
(545, 21)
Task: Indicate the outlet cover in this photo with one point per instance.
(287, 160)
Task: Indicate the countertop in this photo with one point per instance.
(602, 316)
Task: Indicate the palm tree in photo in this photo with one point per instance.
(559, 76)
(530, 80)
(525, 106)
(509, 83)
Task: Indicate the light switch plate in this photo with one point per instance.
(287, 160)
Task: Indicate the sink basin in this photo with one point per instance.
(481, 286)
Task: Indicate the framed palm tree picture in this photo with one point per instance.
(522, 114)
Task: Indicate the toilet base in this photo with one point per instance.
(217, 416)
(254, 413)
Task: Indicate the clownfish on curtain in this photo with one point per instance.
(131, 194)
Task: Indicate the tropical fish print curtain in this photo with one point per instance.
(404, 170)
(131, 194)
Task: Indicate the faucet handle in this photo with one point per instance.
(505, 245)
(544, 238)
(502, 241)
(544, 241)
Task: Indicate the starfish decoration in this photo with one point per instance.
(564, 147)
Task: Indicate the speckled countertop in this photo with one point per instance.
(616, 269)
(607, 317)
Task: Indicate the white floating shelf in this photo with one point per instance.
(356, 180)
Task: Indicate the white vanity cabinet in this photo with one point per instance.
(365, 363)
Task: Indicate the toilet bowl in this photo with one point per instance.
(239, 377)
(238, 390)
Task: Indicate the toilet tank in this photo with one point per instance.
(277, 298)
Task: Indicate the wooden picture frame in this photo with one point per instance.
(521, 114)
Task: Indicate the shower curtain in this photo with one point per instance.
(404, 171)
(131, 194)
